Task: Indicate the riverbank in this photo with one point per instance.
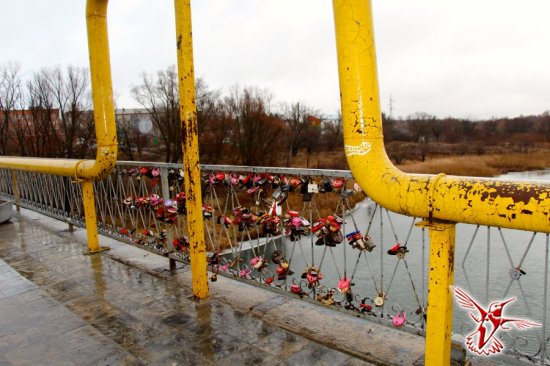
(489, 165)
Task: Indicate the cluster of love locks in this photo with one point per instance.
(271, 221)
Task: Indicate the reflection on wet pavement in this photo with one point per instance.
(60, 307)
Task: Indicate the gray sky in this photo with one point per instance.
(469, 58)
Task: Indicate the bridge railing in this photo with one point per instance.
(311, 234)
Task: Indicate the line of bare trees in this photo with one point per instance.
(421, 134)
(46, 114)
(241, 127)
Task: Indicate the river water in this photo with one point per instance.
(485, 259)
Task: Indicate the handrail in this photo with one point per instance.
(104, 114)
(249, 169)
(511, 204)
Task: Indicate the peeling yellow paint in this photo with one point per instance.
(512, 204)
(190, 144)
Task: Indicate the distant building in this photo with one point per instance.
(28, 124)
(33, 116)
(137, 118)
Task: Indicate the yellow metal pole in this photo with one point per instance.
(512, 204)
(102, 92)
(15, 187)
(90, 217)
(190, 143)
(439, 322)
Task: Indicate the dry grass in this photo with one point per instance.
(457, 165)
(481, 165)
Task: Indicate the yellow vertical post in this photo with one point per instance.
(91, 218)
(440, 301)
(190, 143)
(15, 188)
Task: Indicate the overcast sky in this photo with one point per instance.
(470, 58)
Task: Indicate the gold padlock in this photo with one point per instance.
(284, 264)
(379, 300)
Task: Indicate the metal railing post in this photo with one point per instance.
(190, 144)
(15, 188)
(439, 324)
(88, 200)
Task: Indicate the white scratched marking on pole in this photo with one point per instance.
(362, 149)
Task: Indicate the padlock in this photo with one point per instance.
(284, 264)
(335, 237)
(399, 319)
(304, 183)
(326, 186)
(295, 289)
(401, 254)
(344, 285)
(258, 197)
(312, 188)
(276, 257)
(276, 194)
(368, 243)
(328, 299)
(379, 300)
(516, 273)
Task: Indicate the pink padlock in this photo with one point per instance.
(257, 262)
(296, 222)
(344, 285)
(244, 272)
(400, 319)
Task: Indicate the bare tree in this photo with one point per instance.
(71, 94)
(160, 98)
(333, 133)
(419, 125)
(257, 132)
(10, 98)
(300, 129)
(37, 130)
(214, 123)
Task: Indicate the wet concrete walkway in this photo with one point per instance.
(60, 307)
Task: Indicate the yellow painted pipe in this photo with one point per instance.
(190, 144)
(511, 204)
(90, 216)
(440, 305)
(104, 113)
